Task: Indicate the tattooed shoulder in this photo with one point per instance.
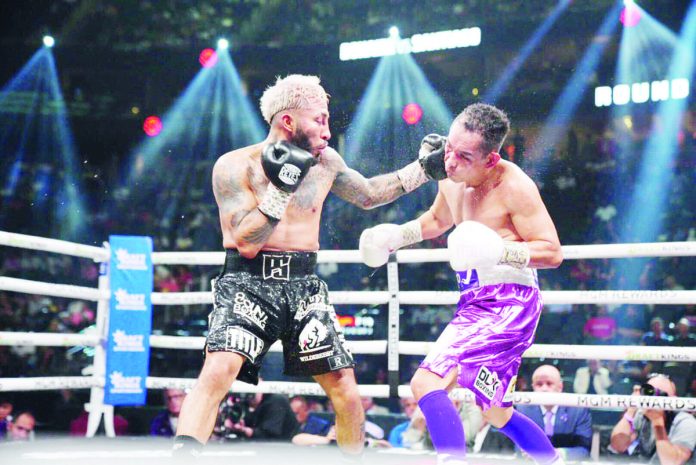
(227, 185)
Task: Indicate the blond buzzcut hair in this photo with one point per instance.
(296, 91)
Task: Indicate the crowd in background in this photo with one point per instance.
(575, 187)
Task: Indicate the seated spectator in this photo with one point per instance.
(268, 416)
(656, 336)
(22, 427)
(592, 379)
(78, 426)
(309, 423)
(164, 424)
(568, 428)
(371, 408)
(489, 439)
(680, 373)
(408, 407)
(682, 337)
(665, 437)
(5, 415)
(601, 327)
(417, 437)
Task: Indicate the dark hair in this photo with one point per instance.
(490, 122)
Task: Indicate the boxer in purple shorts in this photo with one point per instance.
(503, 234)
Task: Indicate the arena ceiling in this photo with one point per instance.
(146, 24)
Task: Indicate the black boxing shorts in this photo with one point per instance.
(276, 295)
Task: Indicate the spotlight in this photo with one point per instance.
(49, 41)
(208, 58)
(630, 15)
(152, 126)
(628, 2)
(394, 32)
(412, 113)
(223, 44)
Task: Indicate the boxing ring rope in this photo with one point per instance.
(393, 346)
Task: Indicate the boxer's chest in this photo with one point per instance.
(468, 204)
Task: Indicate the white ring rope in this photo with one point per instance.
(609, 401)
(570, 252)
(54, 290)
(378, 347)
(98, 254)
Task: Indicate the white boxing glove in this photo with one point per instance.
(378, 242)
(474, 245)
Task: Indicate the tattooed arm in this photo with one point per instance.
(241, 221)
(365, 193)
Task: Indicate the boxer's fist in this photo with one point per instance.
(431, 156)
(378, 242)
(474, 245)
(286, 165)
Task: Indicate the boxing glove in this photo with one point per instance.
(430, 164)
(285, 166)
(378, 242)
(431, 156)
(474, 245)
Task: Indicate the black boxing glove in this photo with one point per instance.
(431, 156)
(429, 166)
(285, 165)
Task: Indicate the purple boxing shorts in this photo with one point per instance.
(493, 326)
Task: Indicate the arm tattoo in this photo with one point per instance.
(226, 190)
(352, 187)
(261, 234)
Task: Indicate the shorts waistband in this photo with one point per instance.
(500, 274)
(269, 265)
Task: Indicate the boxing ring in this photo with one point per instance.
(393, 347)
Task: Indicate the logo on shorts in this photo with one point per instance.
(315, 303)
(510, 392)
(309, 358)
(249, 310)
(241, 340)
(289, 174)
(487, 383)
(313, 334)
(276, 267)
(339, 361)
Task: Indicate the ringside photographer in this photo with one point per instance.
(666, 437)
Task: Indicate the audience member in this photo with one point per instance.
(665, 437)
(268, 416)
(569, 428)
(416, 436)
(22, 427)
(592, 379)
(78, 426)
(164, 424)
(408, 407)
(371, 408)
(489, 439)
(5, 415)
(656, 336)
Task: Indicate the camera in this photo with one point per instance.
(650, 390)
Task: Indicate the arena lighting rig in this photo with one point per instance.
(417, 43)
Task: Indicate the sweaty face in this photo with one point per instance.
(465, 159)
(312, 130)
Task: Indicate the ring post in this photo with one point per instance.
(96, 406)
(393, 326)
